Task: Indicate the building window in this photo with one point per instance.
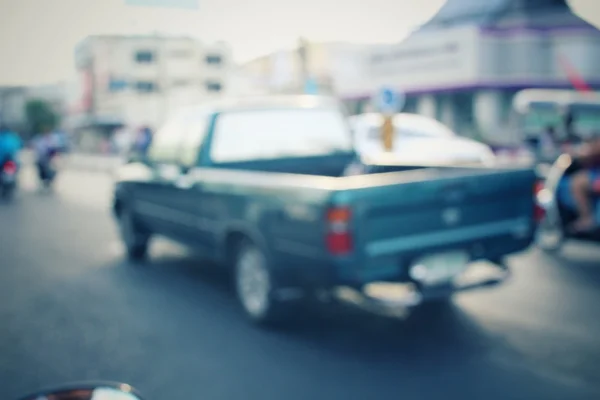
(214, 59)
(213, 86)
(145, 86)
(117, 85)
(144, 56)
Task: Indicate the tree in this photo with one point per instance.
(40, 115)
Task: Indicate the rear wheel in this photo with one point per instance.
(135, 239)
(7, 192)
(255, 286)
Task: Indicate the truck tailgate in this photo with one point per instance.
(488, 212)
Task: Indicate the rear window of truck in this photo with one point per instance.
(270, 134)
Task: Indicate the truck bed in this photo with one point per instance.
(396, 216)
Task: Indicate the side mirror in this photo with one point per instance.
(107, 391)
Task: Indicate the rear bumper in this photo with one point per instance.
(412, 294)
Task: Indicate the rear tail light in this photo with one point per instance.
(339, 238)
(538, 212)
(9, 167)
(596, 186)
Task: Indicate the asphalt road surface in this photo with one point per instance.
(72, 309)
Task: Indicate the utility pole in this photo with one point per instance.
(303, 57)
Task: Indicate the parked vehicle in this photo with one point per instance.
(257, 185)
(418, 139)
(555, 217)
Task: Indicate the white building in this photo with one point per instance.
(287, 71)
(465, 65)
(139, 80)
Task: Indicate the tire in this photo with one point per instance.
(135, 240)
(548, 237)
(256, 288)
(7, 192)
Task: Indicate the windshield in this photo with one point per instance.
(268, 134)
(586, 119)
(539, 118)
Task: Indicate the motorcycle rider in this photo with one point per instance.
(10, 144)
(585, 184)
(45, 146)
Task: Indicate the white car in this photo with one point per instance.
(418, 139)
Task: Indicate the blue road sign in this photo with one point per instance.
(311, 86)
(189, 4)
(389, 100)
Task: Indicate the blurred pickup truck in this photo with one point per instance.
(260, 185)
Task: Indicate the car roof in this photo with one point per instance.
(557, 97)
(264, 102)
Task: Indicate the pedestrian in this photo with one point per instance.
(144, 140)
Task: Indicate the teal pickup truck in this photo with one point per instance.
(261, 185)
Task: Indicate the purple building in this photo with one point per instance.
(465, 65)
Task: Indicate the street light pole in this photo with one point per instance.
(303, 57)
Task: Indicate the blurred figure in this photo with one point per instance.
(10, 145)
(585, 185)
(45, 148)
(143, 140)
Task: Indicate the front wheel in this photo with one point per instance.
(135, 240)
(255, 286)
(7, 192)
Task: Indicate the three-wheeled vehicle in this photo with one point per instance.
(575, 117)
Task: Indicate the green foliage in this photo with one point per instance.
(40, 116)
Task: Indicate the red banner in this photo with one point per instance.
(573, 75)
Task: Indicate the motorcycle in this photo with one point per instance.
(49, 168)
(8, 179)
(554, 217)
(87, 391)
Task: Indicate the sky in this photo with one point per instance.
(37, 37)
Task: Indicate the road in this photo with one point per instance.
(72, 309)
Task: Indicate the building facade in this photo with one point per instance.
(465, 65)
(139, 80)
(307, 68)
